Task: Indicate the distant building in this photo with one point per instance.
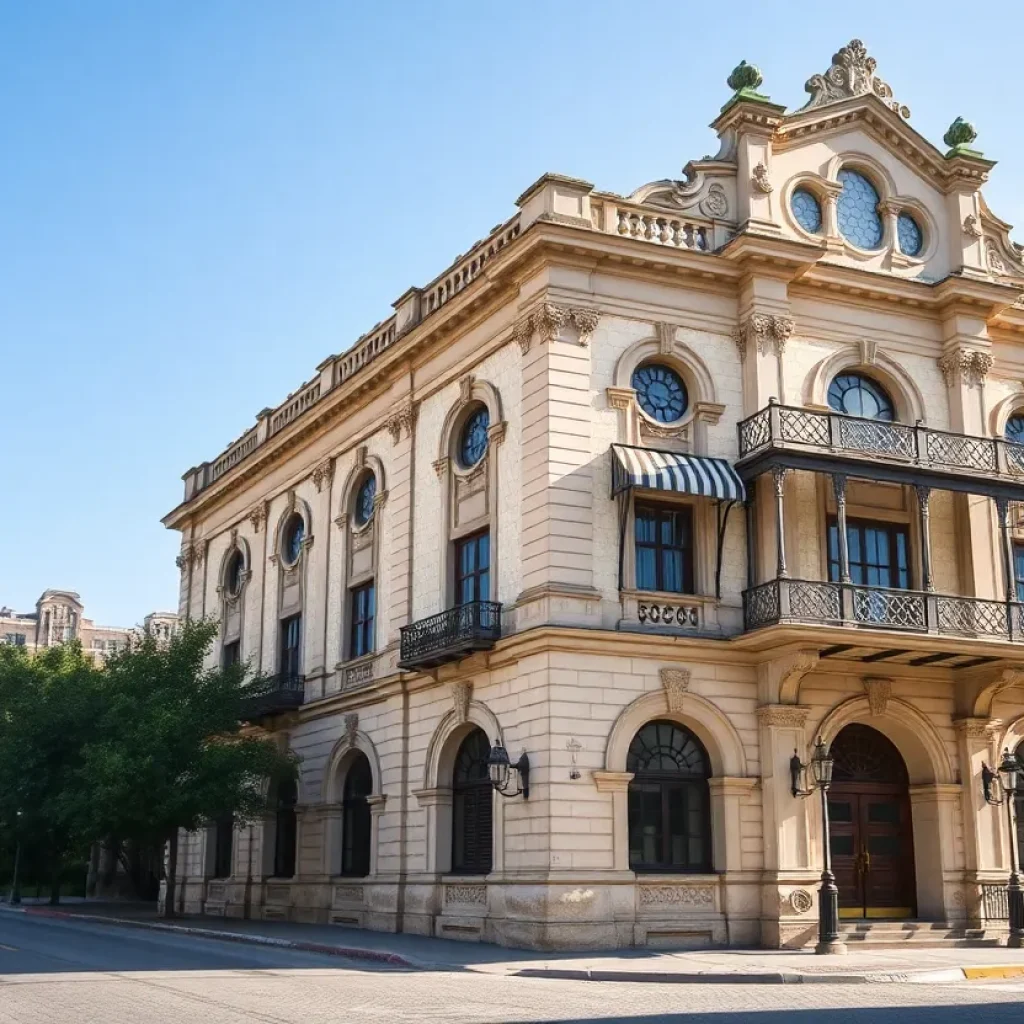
(59, 617)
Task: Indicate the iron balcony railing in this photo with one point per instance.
(273, 696)
(450, 635)
(785, 426)
(995, 902)
(850, 604)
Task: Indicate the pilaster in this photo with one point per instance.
(402, 428)
(781, 728)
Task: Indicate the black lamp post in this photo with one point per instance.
(500, 770)
(1010, 769)
(828, 895)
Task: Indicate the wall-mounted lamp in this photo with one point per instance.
(500, 770)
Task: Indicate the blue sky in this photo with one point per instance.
(201, 199)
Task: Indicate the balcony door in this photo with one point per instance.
(879, 553)
(473, 568)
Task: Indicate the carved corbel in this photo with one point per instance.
(462, 694)
(549, 320)
(402, 420)
(620, 398)
(779, 680)
(351, 728)
(258, 516)
(585, 321)
(522, 333)
(675, 681)
(965, 366)
(879, 691)
(323, 475)
(766, 332)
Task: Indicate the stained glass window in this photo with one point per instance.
(857, 395)
(857, 210)
(909, 234)
(364, 500)
(806, 210)
(660, 392)
(473, 442)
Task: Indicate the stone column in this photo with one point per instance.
(923, 502)
(839, 488)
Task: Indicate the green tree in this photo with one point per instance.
(169, 750)
(49, 703)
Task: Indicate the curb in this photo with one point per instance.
(350, 952)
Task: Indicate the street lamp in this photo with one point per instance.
(15, 896)
(500, 769)
(1009, 769)
(828, 895)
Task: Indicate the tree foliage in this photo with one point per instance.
(149, 744)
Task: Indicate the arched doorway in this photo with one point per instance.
(355, 818)
(472, 807)
(285, 829)
(870, 830)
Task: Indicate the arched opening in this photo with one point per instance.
(355, 818)
(856, 394)
(871, 835)
(223, 842)
(472, 807)
(669, 803)
(285, 829)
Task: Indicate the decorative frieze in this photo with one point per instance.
(699, 896)
(472, 895)
(965, 366)
(547, 320)
(676, 681)
(357, 675)
(786, 716)
(668, 614)
(766, 332)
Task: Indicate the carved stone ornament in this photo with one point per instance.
(801, 901)
(972, 226)
(666, 338)
(759, 180)
(402, 420)
(676, 681)
(466, 387)
(323, 475)
(441, 466)
(258, 516)
(966, 366)
(744, 76)
(786, 716)
(960, 134)
(766, 332)
(522, 333)
(620, 398)
(715, 203)
(879, 691)
(351, 729)
(852, 74)
(550, 318)
(462, 694)
(677, 895)
(868, 351)
(474, 895)
(976, 728)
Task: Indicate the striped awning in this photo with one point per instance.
(673, 471)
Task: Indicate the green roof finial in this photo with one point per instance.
(959, 137)
(745, 77)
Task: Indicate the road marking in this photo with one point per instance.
(10, 949)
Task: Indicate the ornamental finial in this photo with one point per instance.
(960, 134)
(745, 76)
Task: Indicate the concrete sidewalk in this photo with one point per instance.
(415, 952)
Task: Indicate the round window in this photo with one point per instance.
(806, 210)
(856, 395)
(364, 500)
(294, 531)
(473, 441)
(233, 578)
(908, 232)
(1015, 428)
(660, 392)
(857, 210)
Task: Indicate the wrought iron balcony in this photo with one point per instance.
(849, 604)
(450, 635)
(273, 696)
(887, 447)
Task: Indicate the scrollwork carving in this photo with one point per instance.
(852, 74)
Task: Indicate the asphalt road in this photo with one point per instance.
(77, 973)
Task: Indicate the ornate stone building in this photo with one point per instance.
(59, 617)
(656, 489)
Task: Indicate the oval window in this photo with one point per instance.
(857, 210)
(294, 531)
(364, 500)
(856, 395)
(660, 392)
(806, 210)
(233, 578)
(908, 232)
(473, 442)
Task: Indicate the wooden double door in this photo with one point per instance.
(871, 835)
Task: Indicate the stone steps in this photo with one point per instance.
(916, 934)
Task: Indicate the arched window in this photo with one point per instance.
(364, 500)
(1015, 428)
(473, 439)
(806, 210)
(860, 223)
(285, 832)
(232, 578)
(857, 395)
(223, 841)
(909, 235)
(355, 818)
(472, 803)
(660, 392)
(669, 805)
(291, 539)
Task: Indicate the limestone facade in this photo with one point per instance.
(724, 279)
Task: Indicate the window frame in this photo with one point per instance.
(294, 665)
(295, 520)
(356, 822)
(461, 544)
(362, 632)
(689, 552)
(891, 528)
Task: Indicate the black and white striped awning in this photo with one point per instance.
(673, 471)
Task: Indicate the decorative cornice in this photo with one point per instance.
(852, 74)
(766, 331)
(675, 681)
(965, 366)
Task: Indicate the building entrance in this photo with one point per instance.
(870, 829)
